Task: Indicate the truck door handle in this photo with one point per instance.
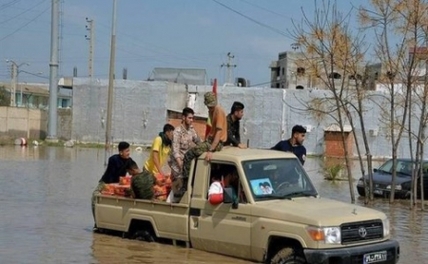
(195, 211)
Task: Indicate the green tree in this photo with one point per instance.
(4, 96)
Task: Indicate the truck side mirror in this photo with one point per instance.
(227, 195)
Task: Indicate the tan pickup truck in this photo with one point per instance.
(272, 213)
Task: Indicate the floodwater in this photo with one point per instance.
(45, 214)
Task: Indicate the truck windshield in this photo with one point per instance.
(277, 179)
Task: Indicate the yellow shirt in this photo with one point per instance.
(162, 151)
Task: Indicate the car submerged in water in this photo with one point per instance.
(382, 178)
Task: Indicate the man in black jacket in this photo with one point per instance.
(294, 144)
(233, 134)
(116, 168)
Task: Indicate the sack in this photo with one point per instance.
(162, 187)
(125, 180)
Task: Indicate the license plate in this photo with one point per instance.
(374, 257)
(380, 192)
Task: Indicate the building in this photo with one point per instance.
(294, 70)
(290, 71)
(36, 95)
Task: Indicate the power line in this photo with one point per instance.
(265, 9)
(152, 47)
(35, 74)
(253, 20)
(26, 24)
(11, 3)
(25, 11)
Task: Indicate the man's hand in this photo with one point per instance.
(209, 156)
(180, 163)
(242, 146)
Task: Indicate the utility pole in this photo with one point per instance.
(53, 73)
(91, 38)
(229, 67)
(13, 82)
(111, 83)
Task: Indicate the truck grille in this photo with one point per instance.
(361, 231)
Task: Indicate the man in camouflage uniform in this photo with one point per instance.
(184, 138)
(213, 142)
(141, 182)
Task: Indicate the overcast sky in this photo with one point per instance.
(152, 33)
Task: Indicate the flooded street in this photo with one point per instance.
(46, 217)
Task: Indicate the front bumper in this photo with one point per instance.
(353, 255)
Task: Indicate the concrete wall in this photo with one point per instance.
(22, 122)
(141, 109)
(30, 123)
(65, 118)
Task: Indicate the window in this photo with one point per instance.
(390, 75)
(356, 77)
(277, 179)
(228, 176)
(300, 71)
(334, 75)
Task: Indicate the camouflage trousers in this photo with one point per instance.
(195, 152)
(142, 185)
(97, 190)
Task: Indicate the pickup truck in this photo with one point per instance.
(271, 213)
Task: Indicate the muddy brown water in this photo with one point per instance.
(45, 214)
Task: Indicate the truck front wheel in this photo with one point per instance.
(288, 256)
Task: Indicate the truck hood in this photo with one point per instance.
(315, 211)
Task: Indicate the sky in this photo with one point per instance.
(152, 33)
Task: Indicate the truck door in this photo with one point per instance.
(218, 228)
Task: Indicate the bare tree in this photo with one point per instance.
(393, 22)
(333, 53)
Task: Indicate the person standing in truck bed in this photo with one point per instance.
(184, 138)
(214, 141)
(160, 150)
(116, 167)
(233, 125)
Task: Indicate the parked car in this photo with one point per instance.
(382, 178)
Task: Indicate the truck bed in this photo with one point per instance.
(168, 220)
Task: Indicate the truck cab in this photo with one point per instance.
(271, 213)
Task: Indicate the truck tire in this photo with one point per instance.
(287, 256)
(144, 235)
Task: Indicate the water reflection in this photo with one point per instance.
(45, 212)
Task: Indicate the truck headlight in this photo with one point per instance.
(386, 227)
(330, 235)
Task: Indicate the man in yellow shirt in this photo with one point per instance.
(158, 156)
(160, 150)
